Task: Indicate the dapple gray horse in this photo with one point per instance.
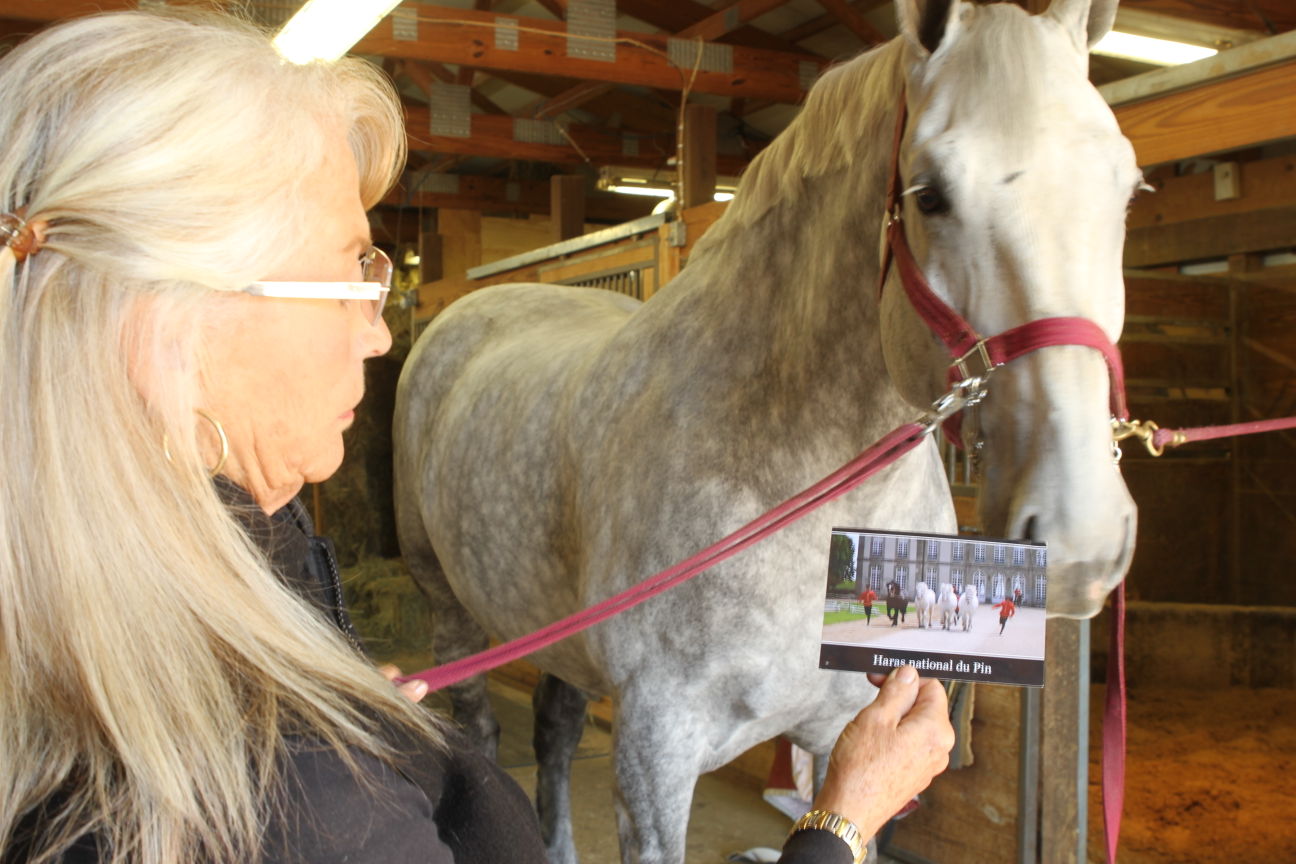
(555, 445)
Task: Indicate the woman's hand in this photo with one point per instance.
(413, 690)
(889, 752)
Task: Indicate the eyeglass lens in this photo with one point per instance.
(376, 267)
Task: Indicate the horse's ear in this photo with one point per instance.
(1090, 19)
(925, 22)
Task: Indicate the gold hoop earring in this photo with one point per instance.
(220, 433)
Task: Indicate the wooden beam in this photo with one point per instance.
(853, 21)
(566, 206)
(729, 19)
(1266, 184)
(1253, 108)
(641, 113)
(423, 73)
(1248, 15)
(497, 137)
(708, 29)
(467, 36)
(497, 195)
(1213, 237)
(698, 156)
(817, 25)
(570, 99)
(676, 15)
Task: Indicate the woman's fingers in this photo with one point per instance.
(412, 690)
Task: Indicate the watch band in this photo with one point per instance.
(837, 824)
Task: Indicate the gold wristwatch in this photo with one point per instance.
(835, 823)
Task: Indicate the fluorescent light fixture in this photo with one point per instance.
(723, 196)
(1145, 49)
(326, 29)
(646, 191)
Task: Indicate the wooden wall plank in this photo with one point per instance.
(1213, 237)
(1253, 108)
(1266, 183)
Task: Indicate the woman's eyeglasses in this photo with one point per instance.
(371, 291)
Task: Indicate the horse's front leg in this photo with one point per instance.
(656, 757)
(559, 722)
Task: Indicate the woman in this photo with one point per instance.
(187, 298)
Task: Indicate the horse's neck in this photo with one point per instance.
(801, 284)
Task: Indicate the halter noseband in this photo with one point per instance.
(976, 356)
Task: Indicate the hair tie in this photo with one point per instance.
(23, 237)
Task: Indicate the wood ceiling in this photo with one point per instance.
(537, 111)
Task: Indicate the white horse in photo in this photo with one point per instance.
(947, 603)
(967, 606)
(924, 603)
(556, 445)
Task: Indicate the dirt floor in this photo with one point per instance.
(1210, 777)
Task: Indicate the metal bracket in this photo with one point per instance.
(677, 235)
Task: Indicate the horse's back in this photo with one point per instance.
(483, 469)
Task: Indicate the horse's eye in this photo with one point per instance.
(930, 200)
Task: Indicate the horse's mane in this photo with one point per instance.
(846, 106)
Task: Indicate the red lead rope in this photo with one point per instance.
(841, 481)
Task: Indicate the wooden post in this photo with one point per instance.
(1236, 589)
(1064, 799)
(566, 206)
(698, 156)
(429, 250)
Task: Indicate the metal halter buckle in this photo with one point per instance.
(980, 354)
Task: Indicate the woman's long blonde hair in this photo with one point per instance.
(150, 662)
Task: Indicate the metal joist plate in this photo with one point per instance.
(506, 34)
(405, 24)
(440, 184)
(451, 110)
(807, 73)
(714, 56)
(591, 30)
(529, 131)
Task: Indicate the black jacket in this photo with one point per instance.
(449, 806)
(452, 805)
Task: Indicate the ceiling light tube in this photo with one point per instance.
(647, 191)
(1145, 49)
(326, 29)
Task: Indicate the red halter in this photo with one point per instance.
(974, 355)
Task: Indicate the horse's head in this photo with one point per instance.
(1016, 180)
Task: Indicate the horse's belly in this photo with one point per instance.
(484, 409)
